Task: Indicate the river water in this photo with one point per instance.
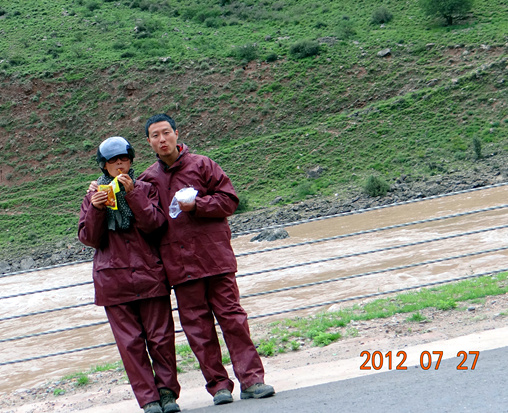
(335, 279)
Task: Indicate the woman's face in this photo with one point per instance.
(118, 165)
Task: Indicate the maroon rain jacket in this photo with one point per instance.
(126, 267)
(197, 244)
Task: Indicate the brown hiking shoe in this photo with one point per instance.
(222, 397)
(168, 401)
(257, 391)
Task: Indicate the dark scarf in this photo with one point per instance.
(120, 218)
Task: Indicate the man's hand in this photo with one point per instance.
(92, 187)
(187, 206)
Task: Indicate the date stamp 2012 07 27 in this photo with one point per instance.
(376, 359)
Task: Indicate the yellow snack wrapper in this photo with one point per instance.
(111, 189)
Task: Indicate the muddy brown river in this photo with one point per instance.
(337, 270)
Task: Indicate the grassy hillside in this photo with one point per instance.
(269, 89)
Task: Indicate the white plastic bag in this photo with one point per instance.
(184, 195)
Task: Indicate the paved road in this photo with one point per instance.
(484, 389)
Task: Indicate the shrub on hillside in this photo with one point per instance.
(128, 54)
(214, 22)
(93, 5)
(247, 53)
(375, 186)
(144, 28)
(304, 48)
(17, 60)
(205, 14)
(304, 189)
(381, 15)
(272, 57)
(345, 29)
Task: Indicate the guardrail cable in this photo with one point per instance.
(69, 307)
(378, 294)
(62, 330)
(369, 231)
(5, 363)
(45, 311)
(304, 264)
(364, 274)
(61, 287)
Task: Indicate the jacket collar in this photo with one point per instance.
(182, 149)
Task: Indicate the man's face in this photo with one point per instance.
(162, 138)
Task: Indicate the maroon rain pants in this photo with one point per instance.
(138, 326)
(198, 302)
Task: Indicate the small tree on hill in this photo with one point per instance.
(446, 8)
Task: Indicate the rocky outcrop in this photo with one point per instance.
(271, 235)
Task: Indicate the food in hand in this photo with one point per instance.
(111, 200)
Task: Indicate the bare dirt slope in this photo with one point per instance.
(109, 391)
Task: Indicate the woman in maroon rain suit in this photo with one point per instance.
(129, 278)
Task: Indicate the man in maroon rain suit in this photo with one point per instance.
(129, 277)
(200, 263)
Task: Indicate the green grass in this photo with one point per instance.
(75, 72)
(75, 36)
(325, 328)
(416, 318)
(118, 365)
(79, 379)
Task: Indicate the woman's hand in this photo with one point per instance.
(126, 181)
(99, 199)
